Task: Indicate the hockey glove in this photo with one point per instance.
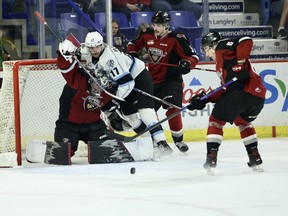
(196, 103)
(185, 66)
(68, 47)
(117, 123)
(240, 72)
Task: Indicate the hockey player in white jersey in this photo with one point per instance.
(111, 67)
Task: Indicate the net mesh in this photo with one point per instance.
(40, 86)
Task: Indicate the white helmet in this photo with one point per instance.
(93, 39)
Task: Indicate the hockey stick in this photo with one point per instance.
(123, 138)
(156, 98)
(46, 24)
(96, 81)
(175, 65)
(75, 57)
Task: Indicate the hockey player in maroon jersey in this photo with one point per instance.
(81, 101)
(167, 47)
(240, 103)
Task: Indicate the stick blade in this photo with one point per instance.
(112, 135)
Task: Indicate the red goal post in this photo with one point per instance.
(29, 103)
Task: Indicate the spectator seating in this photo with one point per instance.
(73, 23)
(124, 25)
(140, 17)
(198, 48)
(265, 7)
(8, 10)
(185, 22)
(267, 13)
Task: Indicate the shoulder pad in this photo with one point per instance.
(177, 35)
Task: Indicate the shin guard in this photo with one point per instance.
(58, 153)
(108, 151)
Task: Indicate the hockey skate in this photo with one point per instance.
(255, 161)
(163, 149)
(211, 162)
(182, 146)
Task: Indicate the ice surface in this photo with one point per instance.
(173, 186)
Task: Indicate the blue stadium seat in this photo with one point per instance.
(73, 23)
(265, 7)
(185, 22)
(9, 7)
(199, 51)
(140, 17)
(124, 25)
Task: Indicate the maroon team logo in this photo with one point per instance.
(155, 54)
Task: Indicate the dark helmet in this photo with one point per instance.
(210, 39)
(161, 17)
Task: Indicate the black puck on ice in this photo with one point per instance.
(132, 170)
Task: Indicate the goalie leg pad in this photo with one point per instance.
(35, 151)
(108, 151)
(58, 153)
(141, 148)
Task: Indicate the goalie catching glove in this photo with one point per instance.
(68, 47)
(197, 103)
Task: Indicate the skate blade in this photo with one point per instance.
(162, 155)
(257, 168)
(210, 171)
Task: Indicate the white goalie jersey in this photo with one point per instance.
(119, 67)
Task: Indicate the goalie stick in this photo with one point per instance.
(123, 138)
(75, 57)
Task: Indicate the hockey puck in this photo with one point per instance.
(132, 170)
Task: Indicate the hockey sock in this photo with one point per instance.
(177, 138)
(140, 128)
(175, 124)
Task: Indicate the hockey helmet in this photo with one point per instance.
(161, 17)
(93, 39)
(211, 39)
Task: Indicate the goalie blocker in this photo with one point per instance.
(102, 151)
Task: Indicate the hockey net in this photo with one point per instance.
(29, 103)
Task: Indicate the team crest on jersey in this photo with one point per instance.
(92, 102)
(155, 54)
(110, 63)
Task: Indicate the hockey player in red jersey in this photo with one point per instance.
(167, 47)
(81, 101)
(240, 103)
